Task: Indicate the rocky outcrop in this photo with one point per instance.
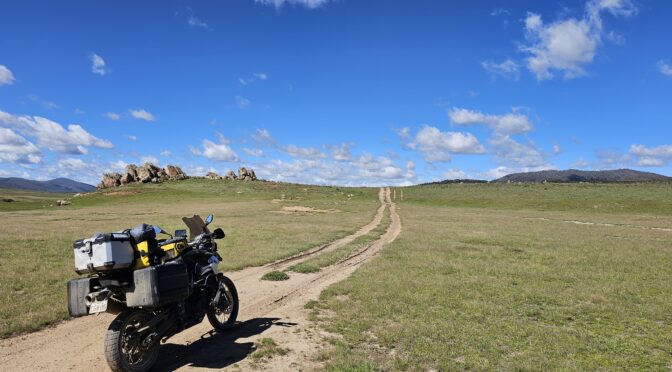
(230, 175)
(146, 173)
(150, 173)
(246, 174)
(110, 180)
(175, 173)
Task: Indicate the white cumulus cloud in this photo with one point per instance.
(569, 45)
(142, 114)
(220, 151)
(263, 137)
(508, 151)
(658, 156)
(53, 136)
(6, 76)
(437, 146)
(511, 123)
(98, 65)
(16, 149)
(664, 68)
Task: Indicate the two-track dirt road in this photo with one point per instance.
(268, 309)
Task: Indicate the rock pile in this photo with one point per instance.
(244, 174)
(151, 173)
(145, 174)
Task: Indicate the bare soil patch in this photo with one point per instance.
(120, 193)
(302, 209)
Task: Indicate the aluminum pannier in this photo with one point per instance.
(103, 252)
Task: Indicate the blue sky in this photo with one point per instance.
(341, 92)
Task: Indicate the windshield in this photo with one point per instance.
(196, 226)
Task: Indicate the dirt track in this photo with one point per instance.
(268, 309)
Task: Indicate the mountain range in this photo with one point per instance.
(55, 185)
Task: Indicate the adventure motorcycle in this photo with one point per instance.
(158, 288)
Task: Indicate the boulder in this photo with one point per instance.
(212, 176)
(127, 178)
(132, 170)
(230, 175)
(147, 172)
(61, 203)
(246, 174)
(162, 175)
(110, 180)
(175, 173)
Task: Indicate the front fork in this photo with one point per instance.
(220, 296)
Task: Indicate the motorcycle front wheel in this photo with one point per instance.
(125, 348)
(223, 315)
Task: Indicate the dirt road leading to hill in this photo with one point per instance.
(268, 309)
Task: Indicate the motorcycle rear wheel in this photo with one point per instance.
(224, 318)
(123, 348)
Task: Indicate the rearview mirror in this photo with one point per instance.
(218, 233)
(159, 230)
(208, 220)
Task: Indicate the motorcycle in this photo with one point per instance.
(171, 285)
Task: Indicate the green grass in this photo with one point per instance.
(648, 198)
(507, 287)
(329, 258)
(266, 348)
(36, 243)
(27, 200)
(304, 268)
(275, 276)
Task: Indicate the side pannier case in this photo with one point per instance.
(78, 289)
(103, 252)
(159, 285)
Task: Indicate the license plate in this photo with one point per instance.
(98, 307)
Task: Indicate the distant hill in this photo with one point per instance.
(574, 175)
(55, 185)
(459, 181)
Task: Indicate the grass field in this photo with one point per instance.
(25, 200)
(329, 258)
(484, 277)
(36, 243)
(510, 277)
